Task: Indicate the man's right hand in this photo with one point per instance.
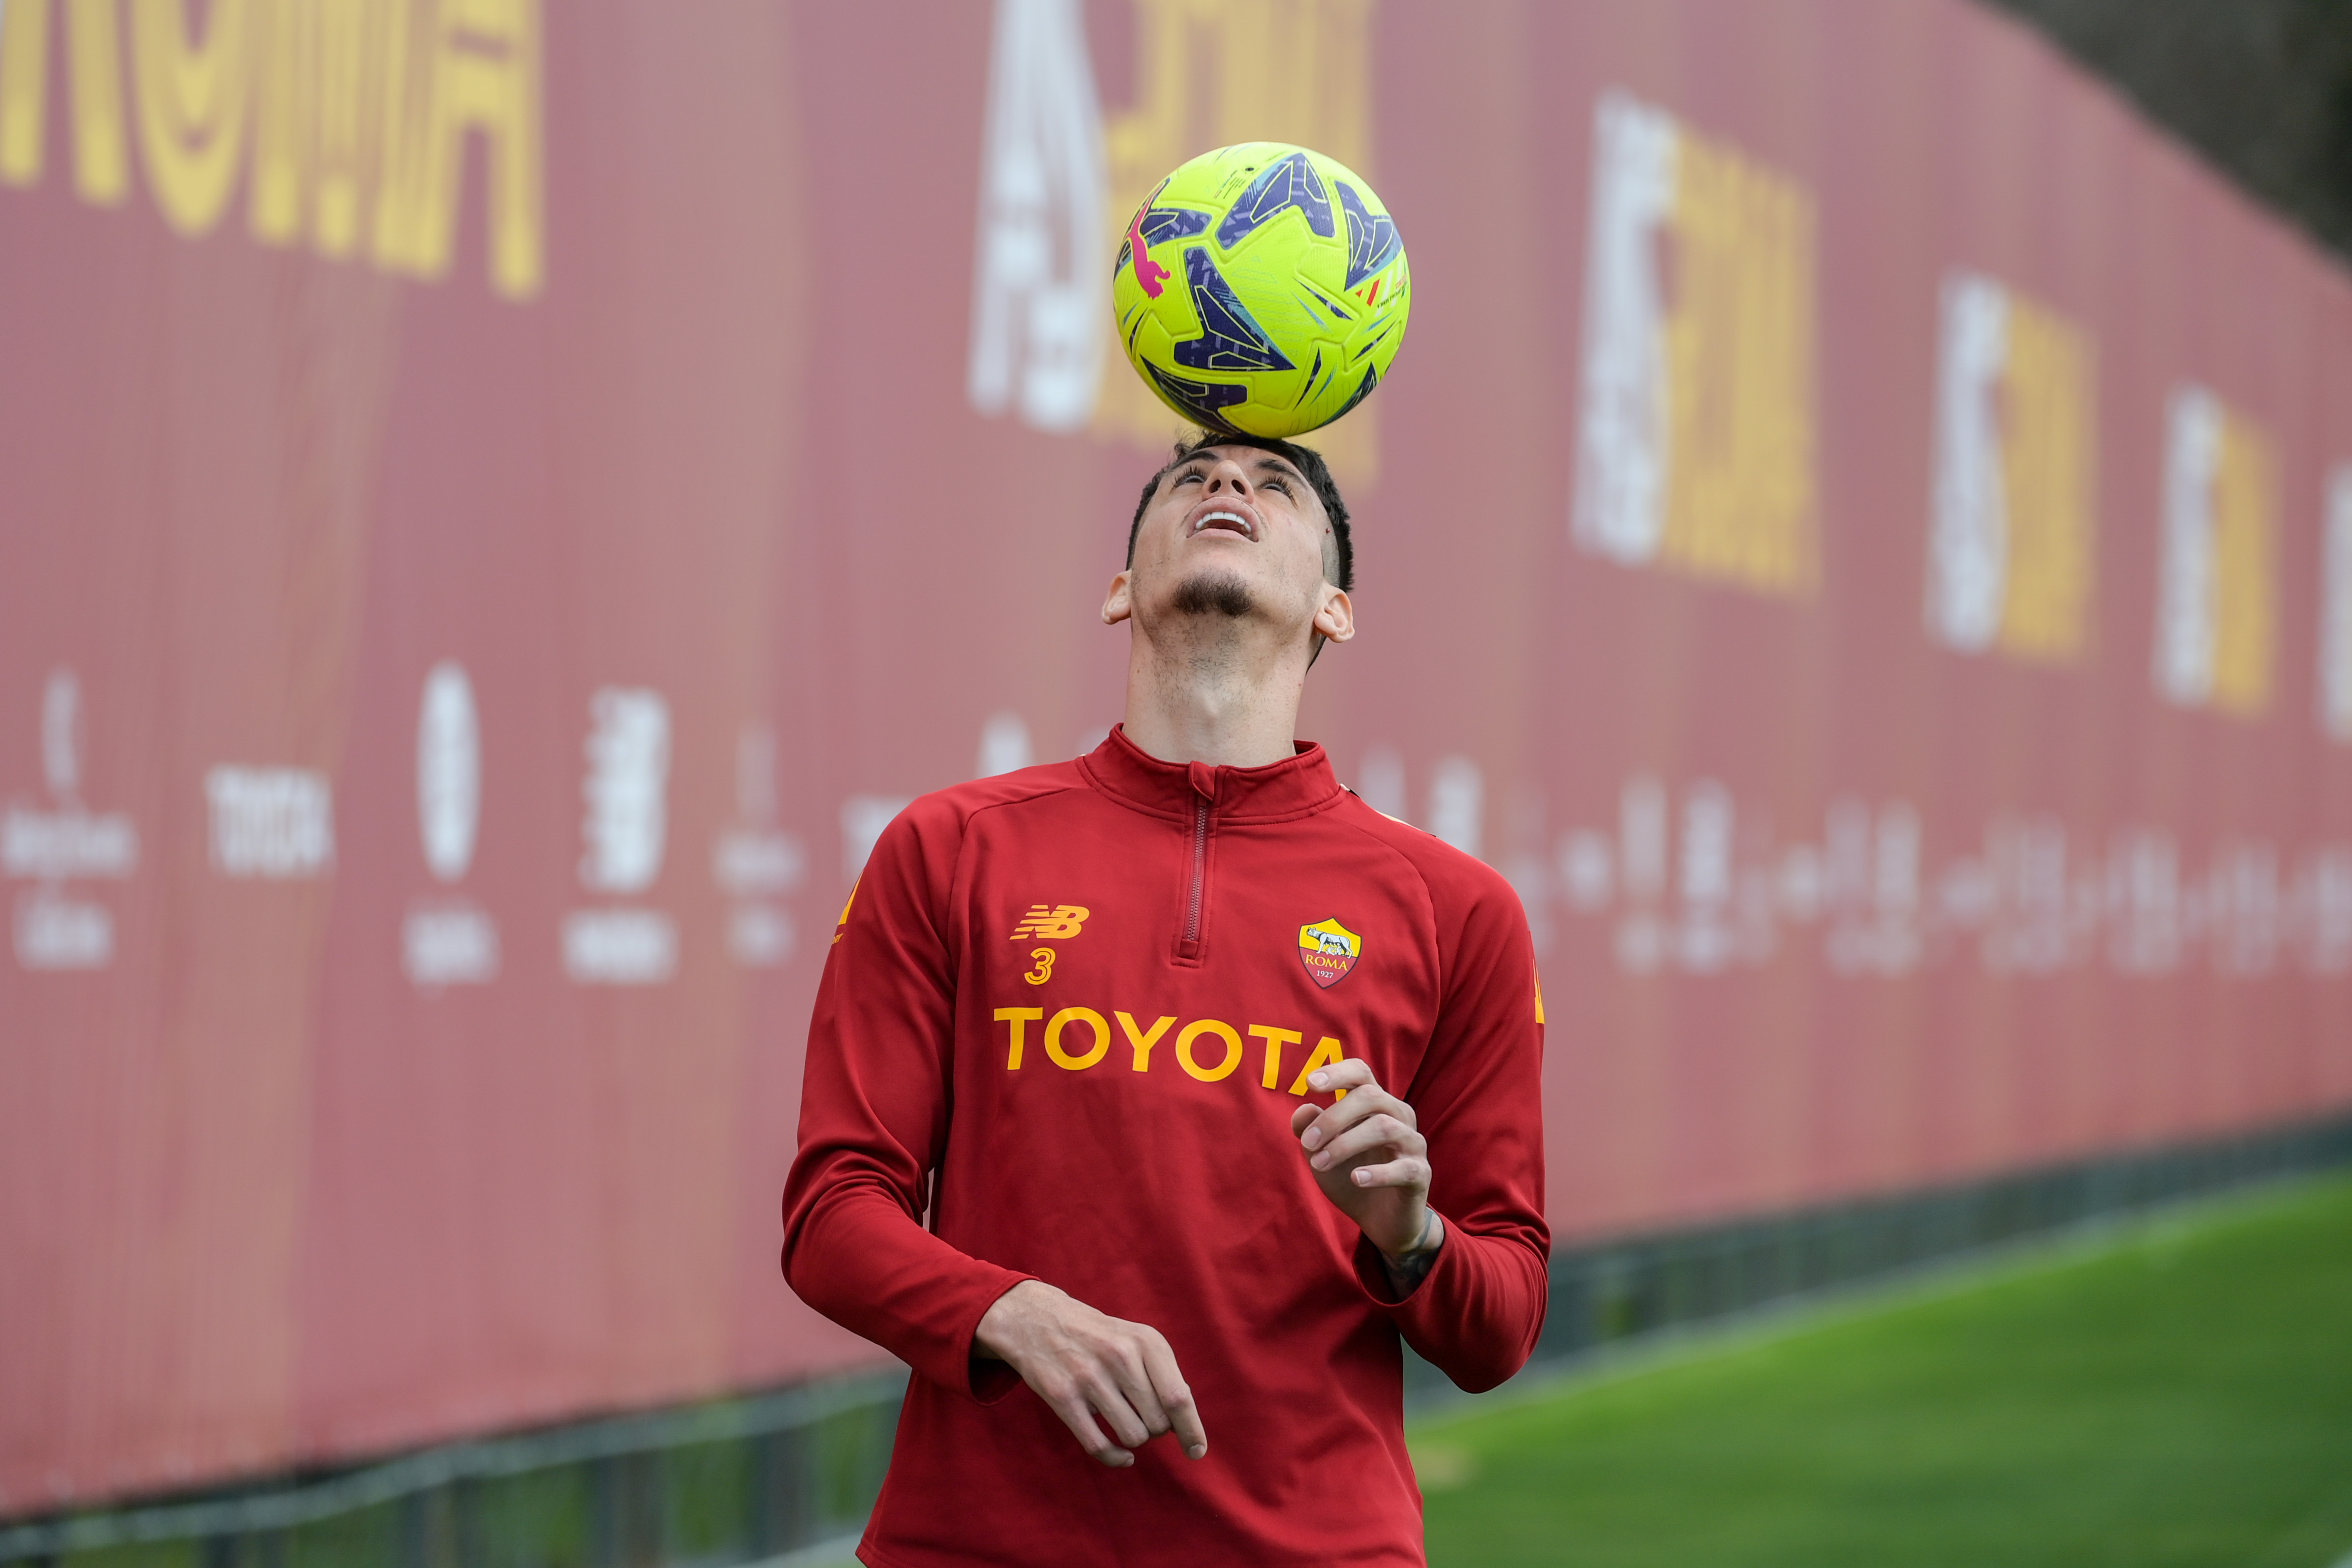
(1084, 1363)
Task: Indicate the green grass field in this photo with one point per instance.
(2179, 1393)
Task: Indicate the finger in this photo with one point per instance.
(1353, 1072)
(1079, 1416)
(1135, 1385)
(1378, 1132)
(1125, 1426)
(1406, 1172)
(1365, 1102)
(1302, 1116)
(1176, 1398)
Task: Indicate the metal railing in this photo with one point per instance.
(786, 1478)
(732, 1481)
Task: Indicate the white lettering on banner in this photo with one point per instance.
(277, 824)
(1457, 802)
(55, 930)
(455, 945)
(1038, 293)
(448, 942)
(2025, 902)
(760, 936)
(1380, 783)
(1968, 567)
(863, 818)
(448, 772)
(58, 845)
(625, 829)
(625, 790)
(753, 861)
(2184, 613)
(2215, 619)
(1004, 746)
(745, 861)
(2011, 552)
(619, 946)
(1695, 446)
(2336, 609)
(1621, 464)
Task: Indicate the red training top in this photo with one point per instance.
(1069, 1011)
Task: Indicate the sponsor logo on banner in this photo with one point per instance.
(2217, 592)
(54, 844)
(275, 823)
(1329, 951)
(2011, 552)
(448, 942)
(1060, 179)
(624, 827)
(755, 862)
(1696, 434)
(1717, 887)
(2336, 609)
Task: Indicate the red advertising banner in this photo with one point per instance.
(500, 502)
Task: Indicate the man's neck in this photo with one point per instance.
(1205, 691)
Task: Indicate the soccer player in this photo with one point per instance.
(1153, 1097)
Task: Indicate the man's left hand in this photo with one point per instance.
(1369, 1158)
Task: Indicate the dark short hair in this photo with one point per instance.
(1305, 459)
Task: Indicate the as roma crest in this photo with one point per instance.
(1329, 950)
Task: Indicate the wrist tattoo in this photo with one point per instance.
(1407, 1273)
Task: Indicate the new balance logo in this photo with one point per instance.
(1056, 923)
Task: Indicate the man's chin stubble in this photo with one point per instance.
(1212, 592)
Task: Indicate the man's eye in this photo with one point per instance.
(1282, 485)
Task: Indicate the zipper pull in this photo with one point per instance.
(1203, 778)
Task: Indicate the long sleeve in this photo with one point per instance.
(1478, 1099)
(874, 1120)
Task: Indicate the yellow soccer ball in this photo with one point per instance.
(1261, 288)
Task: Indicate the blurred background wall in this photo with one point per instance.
(499, 504)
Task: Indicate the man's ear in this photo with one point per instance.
(1118, 606)
(1335, 617)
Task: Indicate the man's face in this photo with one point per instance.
(1232, 530)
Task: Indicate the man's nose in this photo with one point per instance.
(1229, 476)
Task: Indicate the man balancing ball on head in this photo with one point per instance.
(1094, 1019)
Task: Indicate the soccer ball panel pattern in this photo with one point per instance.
(1261, 288)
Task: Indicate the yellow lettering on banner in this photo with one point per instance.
(357, 115)
(1275, 1040)
(2245, 565)
(1062, 1058)
(94, 65)
(1194, 1031)
(1142, 1042)
(192, 106)
(348, 36)
(23, 89)
(285, 54)
(480, 72)
(2046, 478)
(1326, 1051)
(1739, 373)
(1019, 1017)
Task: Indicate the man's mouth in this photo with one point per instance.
(1232, 522)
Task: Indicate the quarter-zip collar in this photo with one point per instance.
(1298, 786)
